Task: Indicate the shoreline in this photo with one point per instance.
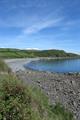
(19, 63)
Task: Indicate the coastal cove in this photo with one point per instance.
(65, 65)
(54, 65)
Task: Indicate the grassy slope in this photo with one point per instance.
(4, 67)
(16, 53)
(22, 102)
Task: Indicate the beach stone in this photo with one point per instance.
(38, 81)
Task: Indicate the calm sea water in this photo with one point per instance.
(61, 66)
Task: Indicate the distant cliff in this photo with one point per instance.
(17, 53)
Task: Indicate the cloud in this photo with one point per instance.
(42, 25)
(32, 49)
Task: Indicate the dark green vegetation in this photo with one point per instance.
(4, 67)
(16, 53)
(23, 102)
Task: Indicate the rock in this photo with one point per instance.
(38, 81)
(62, 88)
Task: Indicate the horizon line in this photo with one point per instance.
(38, 49)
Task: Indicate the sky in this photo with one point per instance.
(40, 24)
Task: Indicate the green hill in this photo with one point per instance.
(17, 53)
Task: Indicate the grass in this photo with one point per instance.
(19, 101)
(4, 67)
(16, 53)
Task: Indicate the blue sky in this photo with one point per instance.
(40, 24)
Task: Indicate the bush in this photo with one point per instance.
(15, 100)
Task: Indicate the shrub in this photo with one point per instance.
(15, 100)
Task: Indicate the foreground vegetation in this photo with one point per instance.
(24, 102)
(16, 53)
(4, 67)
